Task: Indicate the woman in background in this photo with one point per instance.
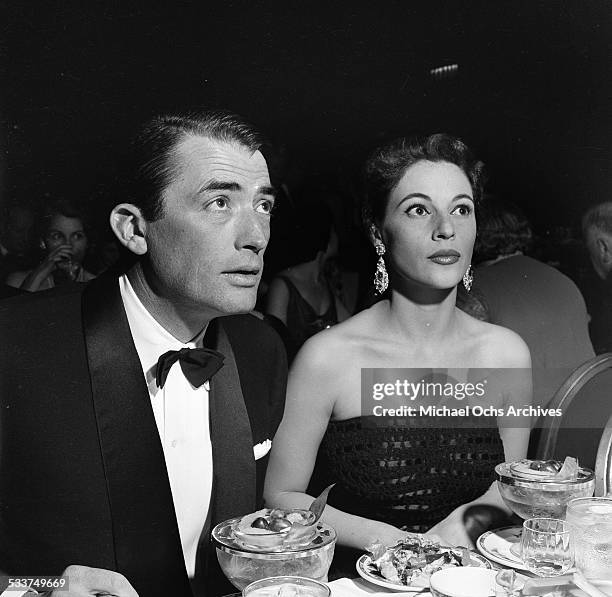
(407, 474)
(64, 240)
(305, 296)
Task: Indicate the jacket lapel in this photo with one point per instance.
(147, 543)
(232, 441)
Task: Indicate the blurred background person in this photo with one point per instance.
(308, 296)
(533, 299)
(597, 232)
(16, 239)
(64, 242)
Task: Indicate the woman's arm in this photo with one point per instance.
(277, 299)
(45, 268)
(311, 394)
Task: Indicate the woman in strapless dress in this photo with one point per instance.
(408, 472)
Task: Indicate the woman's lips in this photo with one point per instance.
(447, 259)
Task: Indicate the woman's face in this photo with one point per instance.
(429, 225)
(67, 231)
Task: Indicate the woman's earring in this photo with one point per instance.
(381, 278)
(468, 278)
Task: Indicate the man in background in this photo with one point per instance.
(597, 232)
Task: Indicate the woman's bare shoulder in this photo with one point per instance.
(341, 343)
(497, 345)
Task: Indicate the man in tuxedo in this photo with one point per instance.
(137, 413)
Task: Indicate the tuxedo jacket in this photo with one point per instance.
(82, 472)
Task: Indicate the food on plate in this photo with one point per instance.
(412, 561)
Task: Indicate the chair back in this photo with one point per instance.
(603, 463)
(586, 395)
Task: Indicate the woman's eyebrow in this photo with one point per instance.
(415, 195)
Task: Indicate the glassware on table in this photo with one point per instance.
(540, 496)
(546, 547)
(590, 523)
(286, 586)
(243, 562)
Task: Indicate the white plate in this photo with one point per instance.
(496, 545)
(364, 563)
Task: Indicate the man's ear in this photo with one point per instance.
(604, 250)
(129, 227)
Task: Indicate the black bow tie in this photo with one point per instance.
(198, 365)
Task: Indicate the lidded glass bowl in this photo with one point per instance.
(243, 562)
(533, 488)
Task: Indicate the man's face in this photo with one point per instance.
(206, 251)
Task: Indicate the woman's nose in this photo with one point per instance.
(444, 228)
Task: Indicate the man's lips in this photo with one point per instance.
(246, 277)
(247, 271)
(445, 257)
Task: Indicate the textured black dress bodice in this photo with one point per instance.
(408, 474)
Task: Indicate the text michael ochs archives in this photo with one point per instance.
(442, 396)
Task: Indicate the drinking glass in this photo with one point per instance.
(590, 524)
(66, 271)
(545, 546)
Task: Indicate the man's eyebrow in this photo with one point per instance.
(219, 185)
(268, 190)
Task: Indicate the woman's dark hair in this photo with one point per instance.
(151, 169)
(62, 207)
(503, 229)
(387, 164)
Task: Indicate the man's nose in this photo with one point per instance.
(253, 231)
(444, 228)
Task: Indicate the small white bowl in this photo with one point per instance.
(463, 582)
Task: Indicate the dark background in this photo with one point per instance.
(326, 81)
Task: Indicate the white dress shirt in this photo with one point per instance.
(181, 414)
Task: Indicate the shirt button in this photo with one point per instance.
(173, 443)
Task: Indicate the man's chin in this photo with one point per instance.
(238, 305)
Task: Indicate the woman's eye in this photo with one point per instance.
(55, 236)
(417, 210)
(78, 236)
(266, 207)
(463, 210)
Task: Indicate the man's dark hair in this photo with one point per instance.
(503, 229)
(598, 216)
(153, 147)
(387, 164)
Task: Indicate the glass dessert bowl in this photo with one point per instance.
(291, 546)
(542, 488)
